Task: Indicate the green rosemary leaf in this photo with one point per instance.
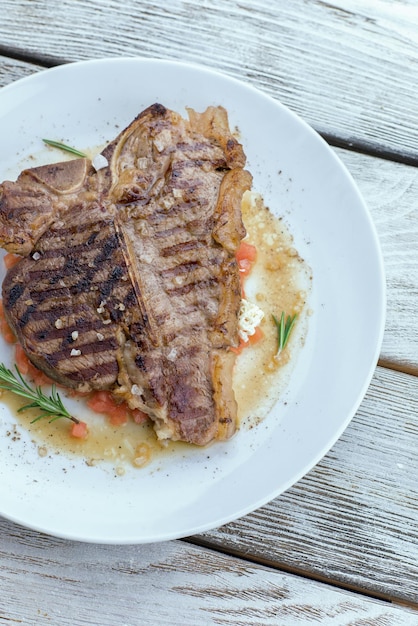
(51, 406)
(62, 146)
(284, 328)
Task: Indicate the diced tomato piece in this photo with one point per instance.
(100, 401)
(21, 359)
(103, 402)
(79, 430)
(138, 416)
(10, 260)
(246, 256)
(246, 251)
(28, 369)
(38, 377)
(252, 339)
(5, 330)
(119, 415)
(244, 267)
(256, 337)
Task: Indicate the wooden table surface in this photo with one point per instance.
(341, 546)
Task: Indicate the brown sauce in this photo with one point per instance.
(279, 281)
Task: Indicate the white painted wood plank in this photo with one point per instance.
(11, 70)
(391, 191)
(48, 581)
(354, 518)
(349, 67)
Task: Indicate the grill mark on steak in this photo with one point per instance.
(139, 259)
(181, 268)
(177, 208)
(52, 333)
(103, 374)
(185, 246)
(86, 349)
(15, 293)
(37, 314)
(71, 235)
(193, 287)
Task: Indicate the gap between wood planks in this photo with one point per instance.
(404, 368)
(33, 59)
(300, 573)
(348, 143)
(370, 149)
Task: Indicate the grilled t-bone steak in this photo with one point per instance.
(129, 281)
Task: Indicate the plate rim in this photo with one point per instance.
(377, 249)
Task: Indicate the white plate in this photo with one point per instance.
(82, 103)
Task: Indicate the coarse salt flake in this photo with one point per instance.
(99, 336)
(59, 323)
(101, 307)
(74, 335)
(36, 256)
(75, 352)
(172, 355)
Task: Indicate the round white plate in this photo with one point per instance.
(86, 104)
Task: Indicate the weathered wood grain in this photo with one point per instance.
(390, 190)
(359, 506)
(11, 70)
(48, 581)
(354, 518)
(349, 67)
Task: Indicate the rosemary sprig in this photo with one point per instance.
(62, 146)
(284, 328)
(51, 406)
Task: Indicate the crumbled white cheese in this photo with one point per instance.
(250, 316)
(36, 256)
(75, 352)
(99, 162)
